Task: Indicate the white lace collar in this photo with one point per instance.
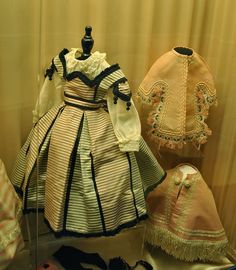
(89, 66)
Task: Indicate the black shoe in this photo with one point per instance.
(120, 264)
(71, 258)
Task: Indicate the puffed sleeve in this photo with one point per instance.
(51, 93)
(126, 123)
(123, 114)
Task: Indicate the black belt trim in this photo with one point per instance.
(83, 99)
(84, 108)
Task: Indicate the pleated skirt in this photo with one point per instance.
(72, 169)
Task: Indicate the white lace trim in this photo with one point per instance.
(9, 238)
(91, 66)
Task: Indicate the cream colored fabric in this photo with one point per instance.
(91, 66)
(50, 95)
(126, 125)
(134, 33)
(11, 240)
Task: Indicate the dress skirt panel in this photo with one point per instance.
(83, 213)
(18, 172)
(24, 174)
(82, 180)
(112, 174)
(36, 184)
(63, 138)
(136, 186)
(151, 172)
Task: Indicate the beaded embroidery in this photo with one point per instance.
(180, 100)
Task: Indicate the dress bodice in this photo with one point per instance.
(90, 78)
(88, 85)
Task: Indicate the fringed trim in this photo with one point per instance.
(186, 250)
(177, 142)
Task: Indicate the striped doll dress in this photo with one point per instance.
(84, 160)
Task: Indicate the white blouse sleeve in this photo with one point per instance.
(51, 94)
(126, 123)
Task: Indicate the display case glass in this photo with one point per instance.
(102, 104)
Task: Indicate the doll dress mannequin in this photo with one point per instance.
(94, 167)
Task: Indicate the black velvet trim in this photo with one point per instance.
(119, 263)
(131, 184)
(107, 233)
(33, 210)
(97, 194)
(121, 80)
(150, 188)
(84, 108)
(27, 150)
(81, 76)
(70, 233)
(54, 66)
(63, 61)
(96, 80)
(145, 265)
(19, 190)
(50, 71)
(83, 99)
(95, 91)
(71, 173)
(22, 183)
(120, 95)
(107, 72)
(39, 149)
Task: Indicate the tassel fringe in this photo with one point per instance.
(186, 250)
